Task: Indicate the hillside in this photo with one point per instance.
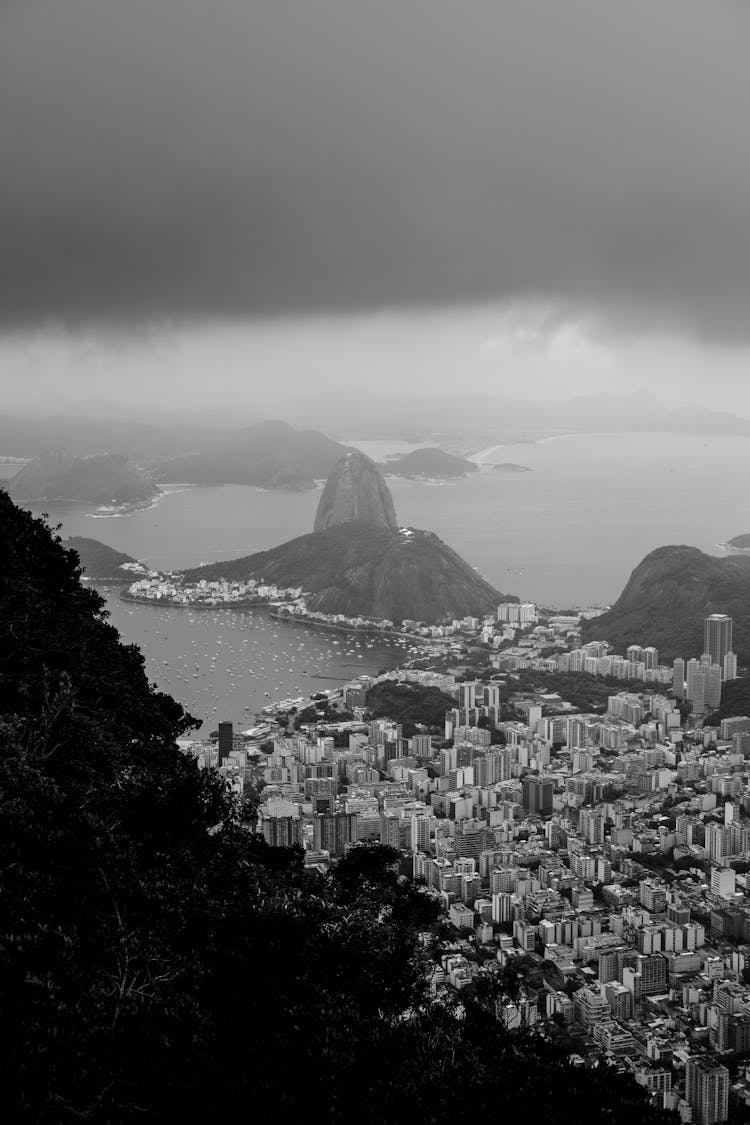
(100, 562)
(667, 597)
(160, 963)
(267, 455)
(356, 569)
(433, 464)
(740, 542)
(100, 478)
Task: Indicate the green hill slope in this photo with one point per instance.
(357, 569)
(100, 562)
(667, 597)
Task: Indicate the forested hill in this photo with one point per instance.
(99, 562)
(158, 963)
(357, 569)
(667, 597)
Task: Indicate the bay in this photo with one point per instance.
(228, 664)
(566, 534)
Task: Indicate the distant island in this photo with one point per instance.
(100, 478)
(430, 464)
(740, 542)
(511, 467)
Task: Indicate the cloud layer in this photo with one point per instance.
(179, 159)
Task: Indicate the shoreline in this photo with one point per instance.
(172, 604)
(261, 603)
(339, 628)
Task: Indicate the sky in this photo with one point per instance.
(240, 201)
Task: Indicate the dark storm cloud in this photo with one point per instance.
(176, 158)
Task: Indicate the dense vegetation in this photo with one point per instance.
(584, 692)
(159, 963)
(409, 704)
(735, 700)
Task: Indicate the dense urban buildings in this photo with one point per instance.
(602, 852)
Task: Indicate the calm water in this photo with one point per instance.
(568, 533)
(228, 664)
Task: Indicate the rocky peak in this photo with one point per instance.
(355, 490)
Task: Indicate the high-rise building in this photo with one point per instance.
(537, 795)
(703, 684)
(707, 1090)
(226, 741)
(282, 831)
(334, 832)
(729, 666)
(467, 694)
(717, 637)
(678, 678)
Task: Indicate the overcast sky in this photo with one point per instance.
(527, 196)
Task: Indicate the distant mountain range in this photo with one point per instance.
(667, 597)
(479, 420)
(268, 455)
(358, 562)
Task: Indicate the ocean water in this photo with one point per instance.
(567, 534)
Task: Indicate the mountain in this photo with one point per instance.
(355, 490)
(358, 562)
(433, 463)
(267, 455)
(360, 570)
(100, 562)
(740, 542)
(667, 597)
(98, 479)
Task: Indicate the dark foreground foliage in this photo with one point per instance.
(159, 963)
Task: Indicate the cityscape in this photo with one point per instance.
(603, 857)
(375, 562)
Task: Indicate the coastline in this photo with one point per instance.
(262, 603)
(338, 627)
(173, 604)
